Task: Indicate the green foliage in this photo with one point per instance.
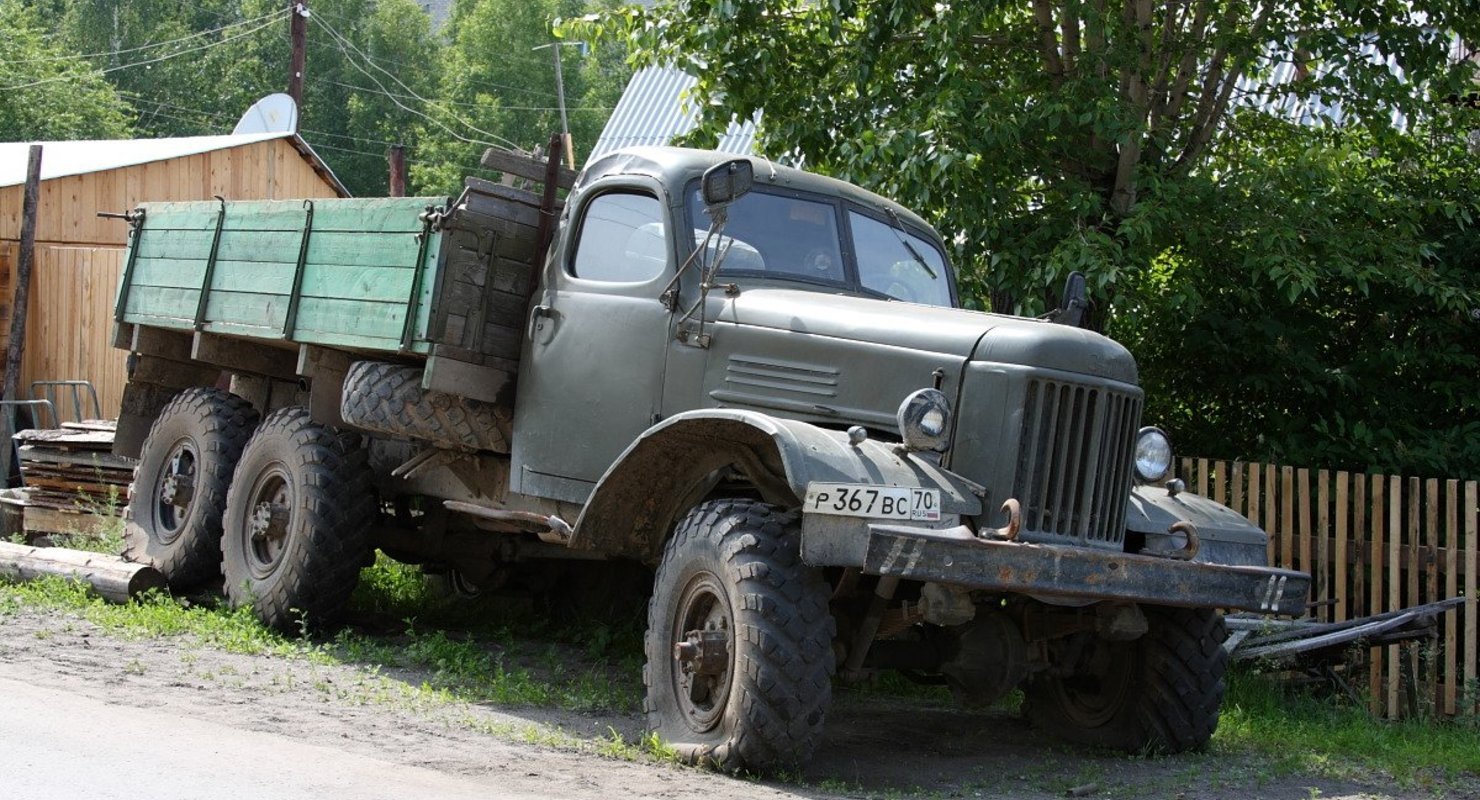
(496, 78)
(377, 74)
(48, 92)
(1328, 318)
(1272, 296)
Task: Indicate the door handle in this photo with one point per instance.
(537, 319)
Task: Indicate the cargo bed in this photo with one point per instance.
(410, 276)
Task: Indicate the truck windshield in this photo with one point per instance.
(798, 238)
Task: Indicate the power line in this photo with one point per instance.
(149, 46)
(464, 105)
(211, 117)
(345, 46)
(485, 83)
(221, 115)
(207, 46)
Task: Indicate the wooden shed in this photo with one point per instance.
(79, 256)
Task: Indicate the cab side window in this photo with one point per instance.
(622, 239)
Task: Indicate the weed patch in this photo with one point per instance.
(1298, 732)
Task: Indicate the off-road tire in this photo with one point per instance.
(388, 399)
(302, 571)
(780, 665)
(212, 427)
(1168, 696)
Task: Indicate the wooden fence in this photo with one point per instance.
(1372, 543)
(69, 327)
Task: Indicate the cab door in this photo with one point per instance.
(592, 371)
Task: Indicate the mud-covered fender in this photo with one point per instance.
(1227, 538)
(673, 465)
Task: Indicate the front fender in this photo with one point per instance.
(1227, 538)
(674, 464)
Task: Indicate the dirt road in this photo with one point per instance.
(84, 713)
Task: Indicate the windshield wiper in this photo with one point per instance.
(899, 232)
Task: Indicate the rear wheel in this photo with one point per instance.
(180, 485)
(1158, 694)
(739, 641)
(297, 522)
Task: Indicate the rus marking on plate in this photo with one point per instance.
(874, 502)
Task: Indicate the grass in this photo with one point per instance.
(429, 651)
(1299, 732)
(478, 652)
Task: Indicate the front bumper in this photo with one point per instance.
(957, 556)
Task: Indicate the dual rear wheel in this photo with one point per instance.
(281, 510)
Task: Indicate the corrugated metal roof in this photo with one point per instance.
(653, 111)
(60, 159)
(1271, 94)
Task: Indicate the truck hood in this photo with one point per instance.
(973, 335)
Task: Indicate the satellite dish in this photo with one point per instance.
(275, 113)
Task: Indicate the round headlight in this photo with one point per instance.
(925, 420)
(1153, 455)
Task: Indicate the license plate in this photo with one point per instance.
(875, 502)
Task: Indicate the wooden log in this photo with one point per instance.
(111, 577)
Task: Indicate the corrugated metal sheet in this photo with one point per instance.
(653, 111)
(60, 159)
(1270, 93)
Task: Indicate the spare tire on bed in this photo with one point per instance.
(388, 399)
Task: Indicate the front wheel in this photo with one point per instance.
(1158, 694)
(296, 528)
(739, 641)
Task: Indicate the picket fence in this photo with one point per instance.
(1372, 543)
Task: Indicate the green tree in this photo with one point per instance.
(1261, 271)
(1333, 316)
(47, 92)
(188, 68)
(498, 89)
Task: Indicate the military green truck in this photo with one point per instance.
(756, 382)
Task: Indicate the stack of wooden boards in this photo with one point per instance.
(73, 483)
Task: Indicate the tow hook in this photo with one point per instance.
(1189, 550)
(1009, 532)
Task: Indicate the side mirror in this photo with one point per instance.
(1074, 302)
(727, 182)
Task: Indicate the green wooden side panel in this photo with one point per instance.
(357, 278)
(174, 273)
(150, 304)
(380, 214)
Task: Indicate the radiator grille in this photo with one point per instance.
(1074, 462)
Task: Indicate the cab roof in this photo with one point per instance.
(677, 166)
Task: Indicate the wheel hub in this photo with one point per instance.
(705, 652)
(174, 489)
(268, 526)
(703, 669)
(269, 521)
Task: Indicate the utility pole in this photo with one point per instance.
(15, 348)
(396, 155)
(298, 31)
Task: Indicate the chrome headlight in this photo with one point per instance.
(1153, 455)
(925, 420)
